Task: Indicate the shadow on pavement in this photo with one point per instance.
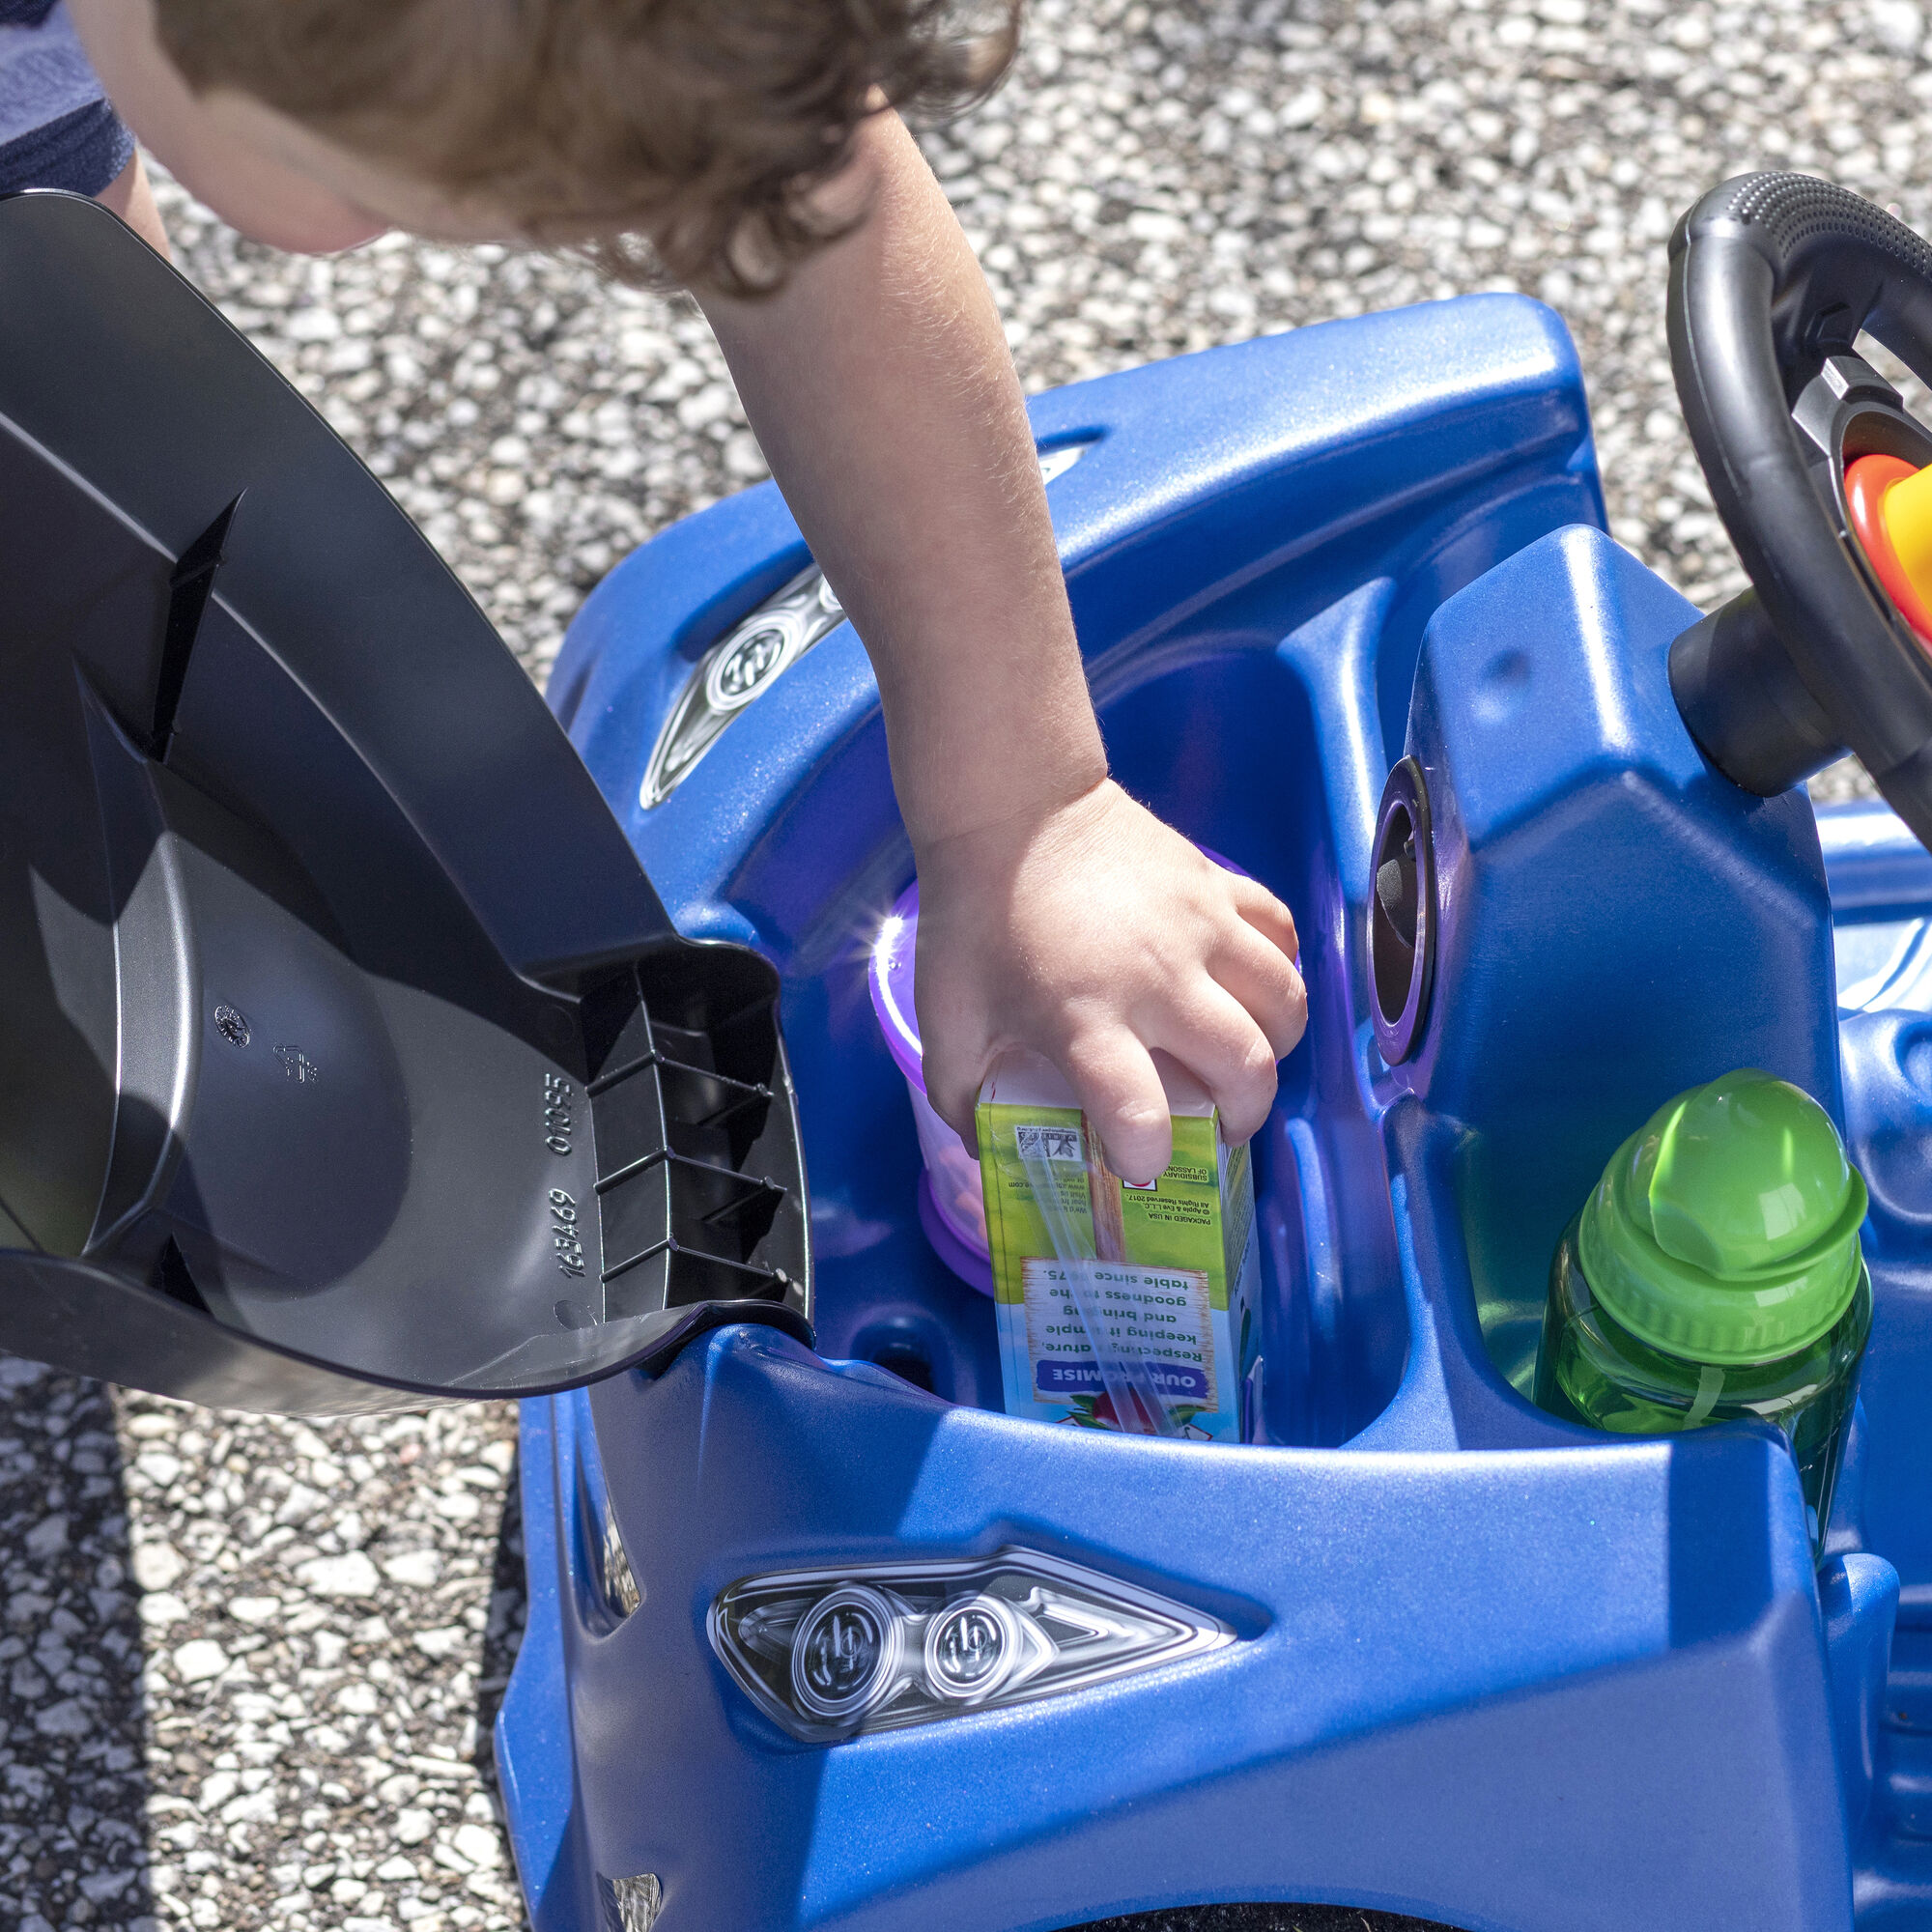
(504, 1631)
(73, 1781)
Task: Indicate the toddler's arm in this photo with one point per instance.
(1055, 913)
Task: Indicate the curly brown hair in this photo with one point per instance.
(676, 141)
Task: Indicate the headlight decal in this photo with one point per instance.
(755, 652)
(828, 1653)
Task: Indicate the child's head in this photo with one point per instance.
(703, 125)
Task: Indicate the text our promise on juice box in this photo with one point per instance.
(1171, 1270)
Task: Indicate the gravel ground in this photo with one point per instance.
(250, 1664)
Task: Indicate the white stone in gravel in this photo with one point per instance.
(156, 1565)
(300, 1504)
(159, 1467)
(479, 1844)
(161, 1607)
(48, 1537)
(418, 1569)
(1898, 24)
(313, 325)
(394, 1870)
(197, 1661)
(413, 1826)
(713, 403)
(744, 460)
(350, 1575)
(69, 1718)
(1301, 110)
(252, 1807)
(253, 1610)
(441, 1642)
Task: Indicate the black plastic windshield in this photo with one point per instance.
(345, 1054)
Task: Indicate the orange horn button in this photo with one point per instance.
(1891, 502)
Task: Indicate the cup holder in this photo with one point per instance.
(1402, 915)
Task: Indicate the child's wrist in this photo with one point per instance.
(993, 839)
(976, 763)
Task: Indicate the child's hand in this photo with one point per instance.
(1092, 933)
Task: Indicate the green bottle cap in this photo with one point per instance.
(1726, 1227)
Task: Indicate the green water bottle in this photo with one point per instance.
(1715, 1273)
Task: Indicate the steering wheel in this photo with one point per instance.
(1772, 277)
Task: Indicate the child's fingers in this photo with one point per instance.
(959, 1113)
(1262, 977)
(1122, 1096)
(1267, 915)
(953, 1081)
(1217, 1038)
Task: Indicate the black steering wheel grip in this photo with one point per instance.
(1772, 278)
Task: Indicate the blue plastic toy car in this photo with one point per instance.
(430, 1098)
(1440, 1653)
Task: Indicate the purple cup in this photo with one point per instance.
(951, 1209)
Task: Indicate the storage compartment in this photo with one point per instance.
(1252, 545)
(1619, 922)
(1221, 744)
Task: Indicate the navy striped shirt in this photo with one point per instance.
(56, 126)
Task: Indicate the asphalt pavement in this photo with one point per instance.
(249, 1666)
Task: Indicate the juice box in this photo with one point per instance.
(1172, 1268)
